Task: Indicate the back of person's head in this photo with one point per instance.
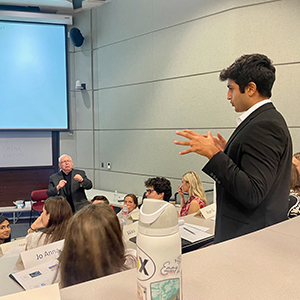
(196, 188)
(60, 213)
(100, 198)
(160, 185)
(295, 179)
(93, 245)
(257, 68)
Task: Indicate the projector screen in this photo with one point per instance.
(33, 77)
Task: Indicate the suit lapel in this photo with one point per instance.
(72, 182)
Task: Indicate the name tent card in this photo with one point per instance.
(42, 254)
(13, 248)
(50, 292)
(208, 211)
(130, 231)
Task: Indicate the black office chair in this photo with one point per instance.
(186, 196)
(144, 196)
(210, 195)
(177, 197)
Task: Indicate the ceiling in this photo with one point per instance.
(54, 6)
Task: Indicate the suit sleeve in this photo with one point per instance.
(258, 158)
(52, 191)
(86, 183)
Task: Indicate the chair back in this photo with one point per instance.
(39, 195)
(177, 197)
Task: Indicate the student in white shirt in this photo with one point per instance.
(53, 223)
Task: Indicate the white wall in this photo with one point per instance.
(151, 67)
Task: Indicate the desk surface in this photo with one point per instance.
(13, 209)
(7, 285)
(260, 265)
(7, 266)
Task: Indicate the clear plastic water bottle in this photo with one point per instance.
(116, 196)
(124, 214)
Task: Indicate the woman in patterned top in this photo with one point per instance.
(191, 183)
(294, 197)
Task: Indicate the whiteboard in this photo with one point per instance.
(25, 149)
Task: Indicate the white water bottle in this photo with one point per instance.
(158, 251)
(124, 214)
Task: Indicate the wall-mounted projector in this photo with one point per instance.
(87, 4)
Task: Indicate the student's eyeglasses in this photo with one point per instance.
(149, 191)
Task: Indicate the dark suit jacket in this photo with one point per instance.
(252, 175)
(77, 188)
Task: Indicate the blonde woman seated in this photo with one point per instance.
(191, 184)
(54, 220)
(93, 246)
(131, 200)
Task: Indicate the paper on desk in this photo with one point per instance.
(193, 233)
(37, 276)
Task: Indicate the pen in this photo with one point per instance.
(189, 230)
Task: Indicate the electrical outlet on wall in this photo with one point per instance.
(102, 165)
(108, 165)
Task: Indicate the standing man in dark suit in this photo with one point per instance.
(252, 170)
(69, 183)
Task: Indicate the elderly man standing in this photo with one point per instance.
(69, 183)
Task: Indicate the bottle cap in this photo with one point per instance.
(158, 217)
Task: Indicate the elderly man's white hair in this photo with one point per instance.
(59, 159)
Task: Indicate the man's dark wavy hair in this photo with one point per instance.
(160, 185)
(257, 68)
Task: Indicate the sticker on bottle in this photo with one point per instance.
(141, 292)
(145, 267)
(167, 289)
(171, 267)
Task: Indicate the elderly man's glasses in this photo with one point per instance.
(65, 161)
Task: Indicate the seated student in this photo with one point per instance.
(100, 199)
(93, 246)
(294, 197)
(131, 201)
(54, 220)
(158, 188)
(191, 183)
(5, 230)
(296, 160)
